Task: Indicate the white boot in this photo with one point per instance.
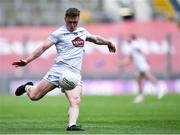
(139, 99)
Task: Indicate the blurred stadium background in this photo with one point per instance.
(25, 23)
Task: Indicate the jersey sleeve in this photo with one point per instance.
(54, 37)
(88, 34)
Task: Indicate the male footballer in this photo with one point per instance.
(69, 41)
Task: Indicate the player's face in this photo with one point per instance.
(71, 23)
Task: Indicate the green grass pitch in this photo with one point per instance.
(98, 115)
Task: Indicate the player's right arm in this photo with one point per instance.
(40, 50)
(126, 61)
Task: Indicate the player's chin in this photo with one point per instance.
(72, 29)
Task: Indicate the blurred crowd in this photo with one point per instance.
(50, 12)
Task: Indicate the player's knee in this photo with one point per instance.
(75, 101)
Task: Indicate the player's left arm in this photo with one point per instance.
(101, 41)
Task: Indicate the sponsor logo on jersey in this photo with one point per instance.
(78, 42)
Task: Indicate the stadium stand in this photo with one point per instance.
(50, 12)
(164, 7)
(24, 23)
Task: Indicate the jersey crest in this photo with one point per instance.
(78, 42)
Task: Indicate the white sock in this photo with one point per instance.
(27, 88)
(140, 95)
(70, 124)
(73, 115)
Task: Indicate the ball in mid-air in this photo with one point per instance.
(69, 80)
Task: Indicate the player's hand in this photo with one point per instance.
(111, 47)
(20, 63)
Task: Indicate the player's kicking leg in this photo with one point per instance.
(35, 92)
(21, 89)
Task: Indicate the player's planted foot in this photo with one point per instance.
(74, 128)
(139, 99)
(161, 92)
(21, 89)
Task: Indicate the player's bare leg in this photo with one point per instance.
(38, 91)
(74, 98)
(160, 91)
(139, 80)
(140, 97)
(35, 92)
(149, 76)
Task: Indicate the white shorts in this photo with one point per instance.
(142, 67)
(55, 73)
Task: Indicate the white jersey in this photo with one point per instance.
(138, 57)
(70, 50)
(69, 45)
